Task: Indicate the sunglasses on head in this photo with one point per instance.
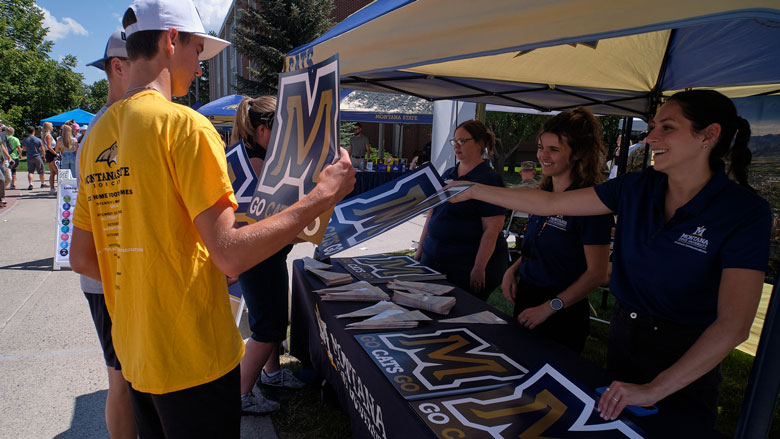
(257, 119)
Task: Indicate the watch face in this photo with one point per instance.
(556, 304)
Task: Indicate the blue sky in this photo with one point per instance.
(82, 28)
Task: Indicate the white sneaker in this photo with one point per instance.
(257, 405)
(284, 378)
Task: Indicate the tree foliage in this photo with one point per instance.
(264, 35)
(95, 96)
(32, 85)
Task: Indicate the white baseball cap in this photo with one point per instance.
(179, 14)
(115, 47)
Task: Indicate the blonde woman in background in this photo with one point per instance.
(264, 286)
(67, 145)
(50, 155)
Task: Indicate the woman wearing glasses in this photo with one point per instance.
(563, 258)
(462, 240)
(265, 285)
(691, 251)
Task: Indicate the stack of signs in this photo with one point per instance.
(243, 180)
(384, 268)
(420, 287)
(430, 364)
(484, 317)
(356, 292)
(380, 209)
(391, 319)
(439, 305)
(545, 405)
(372, 310)
(320, 269)
(304, 139)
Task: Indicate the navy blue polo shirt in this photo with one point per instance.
(455, 229)
(553, 253)
(672, 270)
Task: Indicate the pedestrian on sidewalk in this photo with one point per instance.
(34, 148)
(51, 155)
(15, 152)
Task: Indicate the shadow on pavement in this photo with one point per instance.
(89, 417)
(33, 195)
(39, 265)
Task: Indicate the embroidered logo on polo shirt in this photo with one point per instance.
(558, 221)
(695, 241)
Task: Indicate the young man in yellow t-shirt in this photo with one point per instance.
(155, 220)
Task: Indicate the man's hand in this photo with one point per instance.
(336, 181)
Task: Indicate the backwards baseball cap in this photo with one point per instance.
(115, 47)
(179, 14)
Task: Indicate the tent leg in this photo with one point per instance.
(764, 384)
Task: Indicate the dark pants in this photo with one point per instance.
(210, 410)
(459, 272)
(642, 346)
(569, 326)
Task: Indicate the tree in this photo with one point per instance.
(95, 96)
(32, 85)
(511, 129)
(264, 35)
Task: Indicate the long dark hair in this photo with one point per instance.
(582, 131)
(705, 107)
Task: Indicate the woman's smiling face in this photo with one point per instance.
(554, 154)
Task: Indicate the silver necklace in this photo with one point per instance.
(129, 92)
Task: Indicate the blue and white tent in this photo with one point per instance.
(80, 116)
(617, 57)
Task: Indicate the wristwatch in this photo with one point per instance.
(556, 304)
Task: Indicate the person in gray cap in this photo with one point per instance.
(120, 421)
(528, 174)
(155, 221)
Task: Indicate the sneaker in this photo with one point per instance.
(13, 186)
(257, 404)
(43, 185)
(284, 379)
(29, 188)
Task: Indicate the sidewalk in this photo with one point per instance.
(54, 380)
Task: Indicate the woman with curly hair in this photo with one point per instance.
(563, 257)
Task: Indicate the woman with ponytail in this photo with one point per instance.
(462, 241)
(563, 257)
(690, 254)
(265, 285)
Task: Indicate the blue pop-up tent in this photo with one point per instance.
(78, 115)
(222, 111)
(618, 58)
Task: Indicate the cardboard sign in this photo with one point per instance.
(67, 190)
(304, 139)
(426, 364)
(545, 405)
(380, 269)
(243, 180)
(374, 212)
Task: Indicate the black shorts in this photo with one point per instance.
(642, 346)
(211, 410)
(50, 156)
(97, 307)
(14, 166)
(265, 288)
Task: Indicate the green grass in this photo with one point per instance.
(22, 166)
(306, 413)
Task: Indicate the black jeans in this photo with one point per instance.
(642, 346)
(569, 326)
(211, 410)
